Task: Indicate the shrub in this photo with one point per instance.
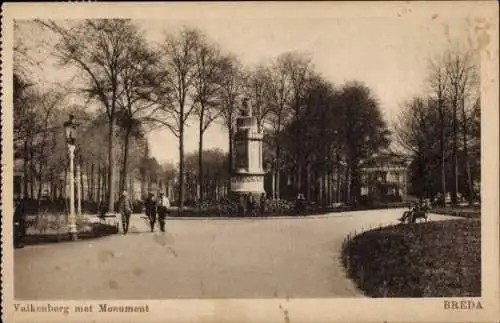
(279, 206)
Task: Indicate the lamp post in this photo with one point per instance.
(78, 180)
(274, 170)
(70, 132)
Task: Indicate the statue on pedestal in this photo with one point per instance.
(246, 107)
(247, 176)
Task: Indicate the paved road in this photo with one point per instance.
(241, 258)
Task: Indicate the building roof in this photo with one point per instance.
(386, 159)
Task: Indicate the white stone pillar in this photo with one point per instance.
(273, 173)
(72, 217)
(78, 180)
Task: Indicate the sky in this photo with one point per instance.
(387, 50)
(389, 55)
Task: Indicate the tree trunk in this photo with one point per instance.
(181, 165)
(273, 183)
(230, 166)
(338, 182)
(111, 167)
(32, 175)
(82, 186)
(125, 160)
(278, 177)
(299, 176)
(40, 175)
(455, 155)
(90, 182)
(321, 190)
(98, 186)
(200, 187)
(25, 167)
(308, 182)
(40, 183)
(466, 154)
(104, 184)
(442, 148)
(348, 183)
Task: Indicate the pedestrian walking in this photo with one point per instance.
(242, 206)
(163, 206)
(300, 203)
(250, 205)
(262, 204)
(125, 210)
(19, 223)
(150, 205)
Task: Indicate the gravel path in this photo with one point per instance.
(242, 258)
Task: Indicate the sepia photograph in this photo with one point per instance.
(179, 153)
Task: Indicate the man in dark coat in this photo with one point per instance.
(19, 229)
(250, 204)
(242, 206)
(262, 204)
(150, 205)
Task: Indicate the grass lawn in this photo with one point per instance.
(435, 259)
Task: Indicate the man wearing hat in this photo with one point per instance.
(163, 205)
(125, 210)
(19, 222)
(150, 205)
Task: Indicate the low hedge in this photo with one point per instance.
(275, 208)
(93, 230)
(435, 259)
(460, 212)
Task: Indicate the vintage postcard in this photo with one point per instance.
(250, 162)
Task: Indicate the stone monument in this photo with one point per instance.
(247, 172)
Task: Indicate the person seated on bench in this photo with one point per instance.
(406, 214)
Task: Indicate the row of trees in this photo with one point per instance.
(441, 128)
(314, 131)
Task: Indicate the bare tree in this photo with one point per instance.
(256, 87)
(279, 98)
(299, 68)
(414, 131)
(462, 75)
(206, 84)
(438, 82)
(231, 88)
(175, 88)
(137, 81)
(99, 49)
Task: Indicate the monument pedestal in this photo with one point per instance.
(247, 172)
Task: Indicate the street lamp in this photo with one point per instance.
(70, 132)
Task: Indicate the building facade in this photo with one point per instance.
(385, 178)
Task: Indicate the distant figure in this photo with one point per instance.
(150, 205)
(125, 210)
(242, 206)
(300, 203)
(408, 214)
(19, 222)
(262, 204)
(250, 205)
(163, 206)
